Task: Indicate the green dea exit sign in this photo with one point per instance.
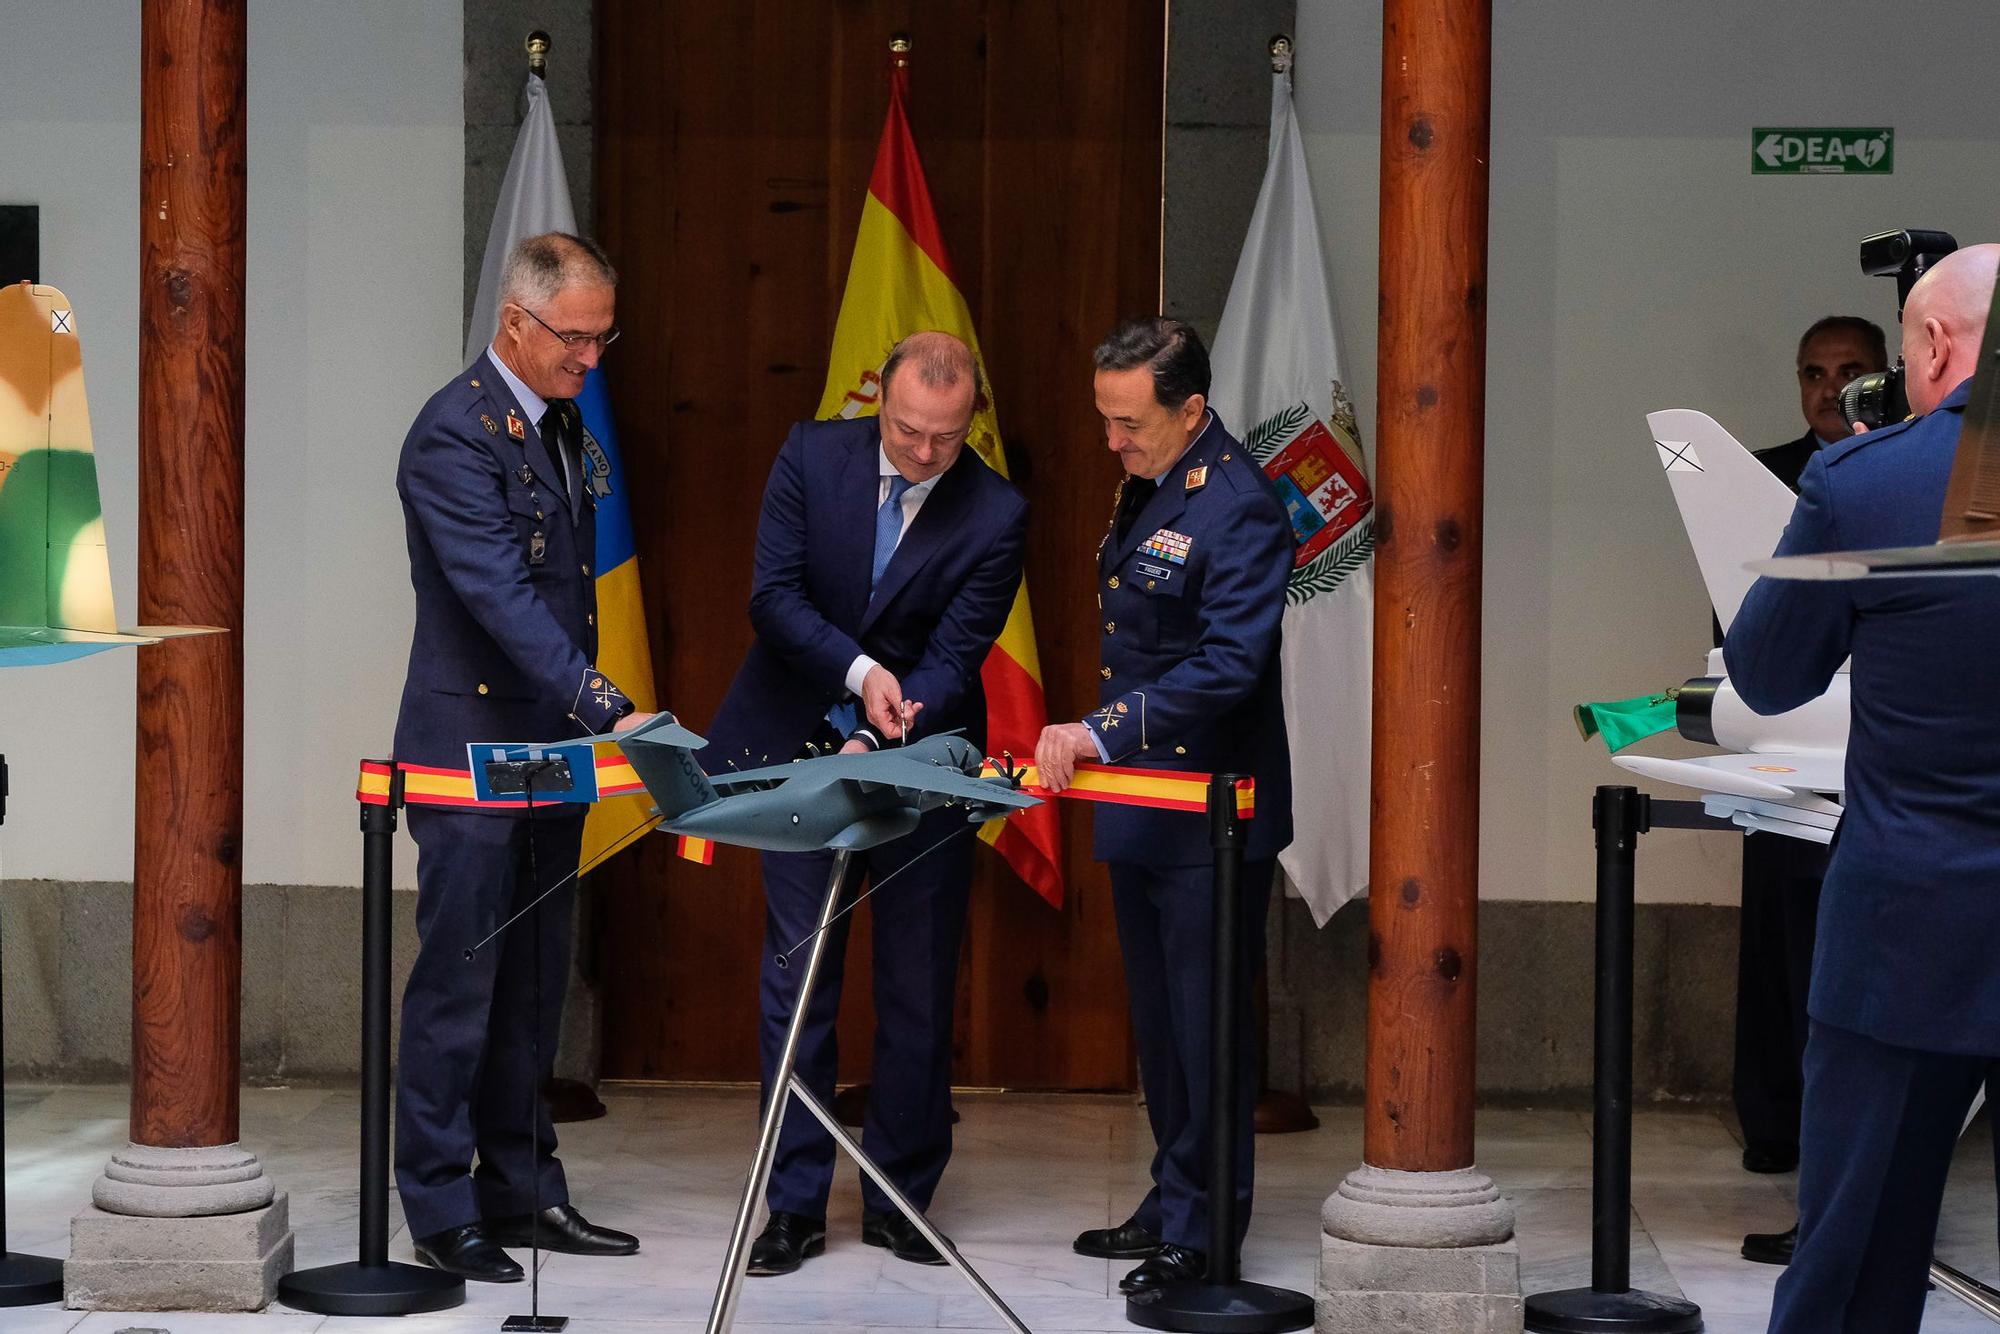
(1796, 152)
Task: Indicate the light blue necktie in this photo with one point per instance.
(888, 529)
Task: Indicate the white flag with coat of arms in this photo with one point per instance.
(1277, 384)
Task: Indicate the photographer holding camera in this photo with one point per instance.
(1905, 998)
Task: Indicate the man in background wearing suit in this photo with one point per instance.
(501, 521)
(1781, 875)
(1191, 580)
(888, 555)
(1906, 983)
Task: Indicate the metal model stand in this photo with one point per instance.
(1222, 1301)
(1619, 815)
(729, 1289)
(373, 1285)
(24, 1279)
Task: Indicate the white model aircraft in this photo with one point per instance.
(1782, 774)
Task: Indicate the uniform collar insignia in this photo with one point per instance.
(1197, 478)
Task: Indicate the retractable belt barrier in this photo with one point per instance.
(1119, 785)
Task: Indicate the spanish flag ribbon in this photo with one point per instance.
(1159, 789)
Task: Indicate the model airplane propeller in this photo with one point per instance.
(836, 801)
(55, 570)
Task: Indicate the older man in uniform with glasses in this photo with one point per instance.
(501, 524)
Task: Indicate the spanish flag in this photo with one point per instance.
(901, 282)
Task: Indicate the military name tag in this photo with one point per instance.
(1153, 571)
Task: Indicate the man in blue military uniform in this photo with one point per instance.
(1905, 1000)
(499, 514)
(1191, 584)
(888, 555)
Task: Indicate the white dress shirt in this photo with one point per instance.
(913, 500)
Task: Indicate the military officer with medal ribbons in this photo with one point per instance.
(1191, 588)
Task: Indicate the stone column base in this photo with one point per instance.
(1418, 1253)
(220, 1262)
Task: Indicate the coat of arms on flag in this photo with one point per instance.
(1313, 465)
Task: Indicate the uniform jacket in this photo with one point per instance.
(506, 600)
(1911, 909)
(943, 599)
(1191, 602)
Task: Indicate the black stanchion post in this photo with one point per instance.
(372, 1285)
(24, 1279)
(1610, 1303)
(1222, 1302)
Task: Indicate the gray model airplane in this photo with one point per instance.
(836, 801)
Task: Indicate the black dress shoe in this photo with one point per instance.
(1130, 1240)
(1170, 1264)
(1771, 1248)
(1761, 1156)
(468, 1253)
(562, 1229)
(900, 1236)
(787, 1241)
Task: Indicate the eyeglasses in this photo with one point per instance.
(576, 341)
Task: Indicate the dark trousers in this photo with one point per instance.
(1881, 1123)
(1781, 880)
(1165, 930)
(918, 922)
(467, 1081)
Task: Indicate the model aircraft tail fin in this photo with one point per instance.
(1733, 509)
(661, 752)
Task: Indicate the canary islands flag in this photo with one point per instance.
(899, 283)
(534, 198)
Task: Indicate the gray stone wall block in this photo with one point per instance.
(31, 947)
(322, 1000)
(1218, 59)
(96, 1002)
(263, 1024)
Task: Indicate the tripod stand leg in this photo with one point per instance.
(729, 1289)
(846, 1141)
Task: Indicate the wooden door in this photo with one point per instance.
(733, 153)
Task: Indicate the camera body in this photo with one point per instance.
(1879, 397)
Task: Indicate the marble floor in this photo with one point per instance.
(1029, 1172)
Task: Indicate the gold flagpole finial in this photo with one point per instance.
(1281, 54)
(537, 47)
(899, 51)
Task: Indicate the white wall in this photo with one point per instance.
(356, 160)
(1636, 264)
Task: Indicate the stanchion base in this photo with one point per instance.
(534, 1324)
(1588, 1311)
(358, 1289)
(1209, 1308)
(27, 1280)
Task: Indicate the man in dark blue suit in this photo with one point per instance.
(1905, 999)
(1191, 582)
(888, 555)
(499, 507)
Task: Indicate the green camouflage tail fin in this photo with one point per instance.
(55, 571)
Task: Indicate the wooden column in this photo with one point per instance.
(1431, 388)
(188, 880)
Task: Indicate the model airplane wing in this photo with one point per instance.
(889, 769)
(1772, 777)
(1938, 558)
(55, 570)
(1734, 510)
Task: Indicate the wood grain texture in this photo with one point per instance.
(734, 148)
(1431, 388)
(188, 880)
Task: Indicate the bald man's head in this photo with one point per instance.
(1943, 323)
